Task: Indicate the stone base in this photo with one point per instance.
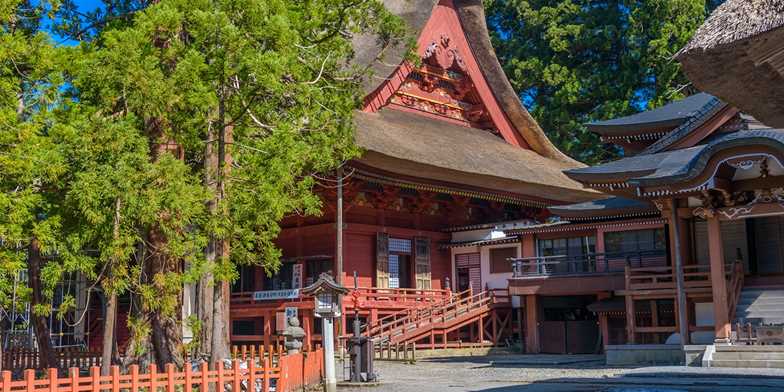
(644, 354)
(349, 384)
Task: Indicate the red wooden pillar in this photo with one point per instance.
(268, 315)
(604, 327)
(532, 345)
(716, 250)
(308, 322)
(631, 323)
(481, 329)
(493, 317)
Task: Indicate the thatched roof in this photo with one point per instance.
(416, 146)
(415, 13)
(738, 55)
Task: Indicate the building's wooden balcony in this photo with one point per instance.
(585, 274)
(363, 297)
(661, 281)
(586, 264)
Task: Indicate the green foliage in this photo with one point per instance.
(580, 61)
(109, 147)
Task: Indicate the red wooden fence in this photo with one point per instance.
(291, 373)
(300, 369)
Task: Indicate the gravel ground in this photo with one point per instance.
(557, 374)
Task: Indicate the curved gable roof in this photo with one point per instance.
(672, 114)
(416, 14)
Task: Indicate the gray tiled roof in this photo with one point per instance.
(603, 208)
(677, 165)
(669, 115)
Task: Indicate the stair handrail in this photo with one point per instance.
(407, 315)
(735, 287)
(434, 313)
(408, 311)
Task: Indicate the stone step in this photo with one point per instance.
(746, 363)
(749, 355)
(761, 306)
(762, 301)
(759, 320)
(748, 348)
(759, 313)
(762, 294)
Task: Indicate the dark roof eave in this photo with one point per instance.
(633, 129)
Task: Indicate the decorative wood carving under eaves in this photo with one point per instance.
(442, 87)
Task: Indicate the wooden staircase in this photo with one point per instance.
(438, 320)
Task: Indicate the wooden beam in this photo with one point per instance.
(532, 345)
(716, 251)
(675, 235)
(630, 320)
(605, 328)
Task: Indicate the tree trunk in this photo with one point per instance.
(221, 293)
(110, 318)
(139, 349)
(206, 282)
(166, 328)
(47, 358)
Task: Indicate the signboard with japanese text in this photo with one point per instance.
(272, 295)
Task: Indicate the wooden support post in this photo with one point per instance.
(631, 333)
(494, 319)
(718, 282)
(444, 340)
(267, 327)
(680, 293)
(654, 313)
(605, 328)
(532, 345)
(481, 329)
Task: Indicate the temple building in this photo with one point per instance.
(714, 174)
(446, 144)
(577, 272)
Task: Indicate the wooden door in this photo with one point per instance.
(553, 337)
(382, 260)
(422, 257)
(769, 238)
(470, 262)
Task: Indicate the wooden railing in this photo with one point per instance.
(406, 315)
(586, 264)
(291, 373)
(17, 360)
(379, 296)
(430, 316)
(734, 287)
(663, 278)
(398, 297)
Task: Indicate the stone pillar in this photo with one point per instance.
(330, 381)
(718, 281)
(532, 344)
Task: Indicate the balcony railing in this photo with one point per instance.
(592, 263)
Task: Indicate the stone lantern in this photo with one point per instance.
(327, 294)
(294, 335)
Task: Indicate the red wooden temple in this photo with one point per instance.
(446, 144)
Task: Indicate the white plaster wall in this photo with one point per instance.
(493, 281)
(499, 280)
